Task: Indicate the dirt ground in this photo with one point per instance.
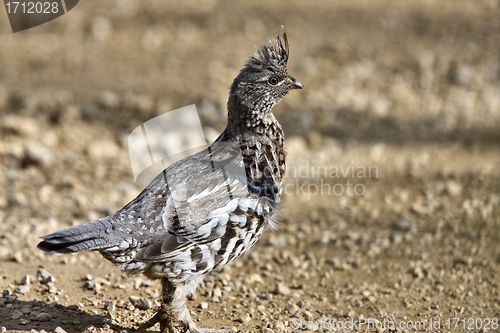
(391, 210)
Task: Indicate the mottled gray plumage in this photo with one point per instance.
(207, 209)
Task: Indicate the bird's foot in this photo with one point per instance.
(164, 317)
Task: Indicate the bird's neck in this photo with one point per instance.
(243, 119)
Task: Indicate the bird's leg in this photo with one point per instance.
(164, 315)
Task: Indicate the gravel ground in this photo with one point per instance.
(391, 211)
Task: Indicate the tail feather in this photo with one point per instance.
(95, 235)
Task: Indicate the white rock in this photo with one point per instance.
(292, 308)
(24, 289)
(281, 289)
(16, 314)
(453, 188)
(24, 126)
(26, 280)
(37, 153)
(245, 318)
(217, 292)
(255, 278)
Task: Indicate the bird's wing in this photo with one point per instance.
(189, 202)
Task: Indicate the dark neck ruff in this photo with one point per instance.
(267, 127)
(254, 119)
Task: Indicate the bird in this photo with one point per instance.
(207, 209)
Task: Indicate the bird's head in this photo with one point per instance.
(262, 83)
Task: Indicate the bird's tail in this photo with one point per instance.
(95, 235)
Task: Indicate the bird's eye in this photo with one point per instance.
(273, 80)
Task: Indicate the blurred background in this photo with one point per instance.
(409, 88)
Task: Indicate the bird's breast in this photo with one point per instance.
(265, 168)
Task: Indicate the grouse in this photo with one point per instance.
(207, 209)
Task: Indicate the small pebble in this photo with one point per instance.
(96, 283)
(24, 289)
(44, 277)
(308, 315)
(217, 292)
(292, 308)
(462, 261)
(245, 318)
(255, 278)
(16, 314)
(111, 315)
(402, 225)
(43, 317)
(453, 188)
(26, 280)
(418, 272)
(279, 326)
(90, 112)
(253, 256)
(109, 305)
(37, 153)
(109, 99)
(140, 302)
(26, 310)
(19, 256)
(52, 288)
(281, 289)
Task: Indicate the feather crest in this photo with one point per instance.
(273, 55)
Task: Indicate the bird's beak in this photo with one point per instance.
(295, 84)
